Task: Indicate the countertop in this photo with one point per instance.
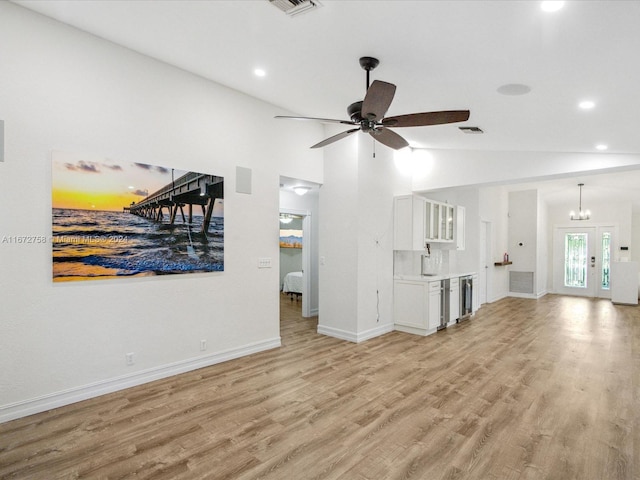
(431, 278)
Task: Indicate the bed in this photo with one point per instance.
(292, 284)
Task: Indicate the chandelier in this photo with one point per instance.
(582, 214)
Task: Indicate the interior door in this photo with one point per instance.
(482, 290)
(582, 260)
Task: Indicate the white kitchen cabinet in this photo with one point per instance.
(416, 306)
(410, 306)
(447, 222)
(440, 222)
(418, 221)
(433, 232)
(434, 305)
(454, 300)
(410, 220)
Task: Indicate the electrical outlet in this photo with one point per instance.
(203, 345)
(130, 358)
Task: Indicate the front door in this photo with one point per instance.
(583, 256)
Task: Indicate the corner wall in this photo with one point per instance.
(356, 238)
(66, 90)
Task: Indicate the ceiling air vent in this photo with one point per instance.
(295, 7)
(471, 129)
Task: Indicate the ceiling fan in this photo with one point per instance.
(368, 114)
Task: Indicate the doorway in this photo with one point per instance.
(583, 260)
(484, 289)
(295, 257)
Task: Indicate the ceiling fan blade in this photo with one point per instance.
(323, 120)
(377, 100)
(389, 138)
(335, 138)
(427, 118)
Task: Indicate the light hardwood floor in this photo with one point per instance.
(527, 389)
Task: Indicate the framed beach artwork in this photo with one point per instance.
(115, 219)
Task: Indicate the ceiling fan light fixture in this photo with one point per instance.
(368, 115)
(587, 104)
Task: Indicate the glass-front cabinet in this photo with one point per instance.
(448, 222)
(439, 222)
(419, 221)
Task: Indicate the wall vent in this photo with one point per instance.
(471, 129)
(521, 282)
(295, 7)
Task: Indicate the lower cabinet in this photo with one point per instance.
(454, 300)
(416, 306)
(435, 296)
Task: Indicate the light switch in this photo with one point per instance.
(264, 262)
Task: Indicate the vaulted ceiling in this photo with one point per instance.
(441, 55)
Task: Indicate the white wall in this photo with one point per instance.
(602, 213)
(543, 248)
(356, 238)
(63, 89)
(458, 168)
(635, 238)
(338, 250)
(523, 211)
(494, 208)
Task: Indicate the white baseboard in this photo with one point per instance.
(523, 295)
(43, 403)
(355, 337)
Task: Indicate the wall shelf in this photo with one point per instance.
(502, 264)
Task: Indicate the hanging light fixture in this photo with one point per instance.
(582, 214)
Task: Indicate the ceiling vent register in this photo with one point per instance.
(471, 130)
(295, 7)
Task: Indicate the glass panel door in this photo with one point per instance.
(582, 260)
(605, 244)
(576, 257)
(574, 269)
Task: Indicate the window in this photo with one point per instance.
(606, 260)
(575, 260)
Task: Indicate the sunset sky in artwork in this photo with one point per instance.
(92, 183)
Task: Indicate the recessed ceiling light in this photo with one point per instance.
(514, 89)
(551, 6)
(301, 189)
(601, 146)
(259, 72)
(587, 104)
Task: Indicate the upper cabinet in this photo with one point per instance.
(409, 222)
(418, 221)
